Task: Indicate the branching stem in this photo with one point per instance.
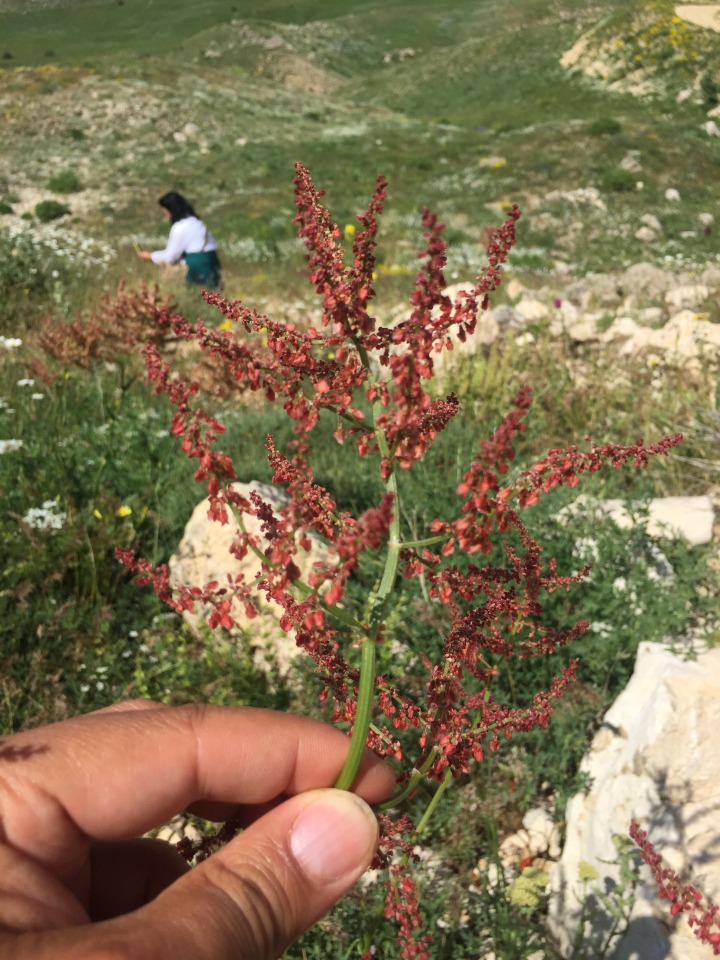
(366, 688)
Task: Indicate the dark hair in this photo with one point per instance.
(177, 206)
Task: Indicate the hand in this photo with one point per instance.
(144, 255)
(75, 884)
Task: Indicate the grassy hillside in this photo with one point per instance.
(464, 106)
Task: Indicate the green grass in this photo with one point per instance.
(483, 80)
(462, 104)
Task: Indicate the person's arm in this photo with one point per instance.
(74, 882)
(175, 246)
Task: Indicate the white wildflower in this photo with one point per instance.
(46, 517)
(8, 446)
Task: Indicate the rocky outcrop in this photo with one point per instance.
(691, 518)
(645, 313)
(655, 759)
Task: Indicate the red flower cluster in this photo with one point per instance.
(374, 380)
(703, 918)
(402, 906)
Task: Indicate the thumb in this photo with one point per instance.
(256, 896)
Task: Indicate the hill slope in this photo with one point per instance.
(463, 105)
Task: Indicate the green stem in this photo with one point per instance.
(363, 716)
(428, 542)
(391, 560)
(366, 687)
(416, 778)
(447, 780)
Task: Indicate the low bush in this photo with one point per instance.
(602, 126)
(618, 180)
(48, 210)
(65, 182)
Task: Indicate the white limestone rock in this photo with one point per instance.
(646, 279)
(631, 162)
(646, 235)
(650, 220)
(687, 297)
(654, 759)
(583, 331)
(650, 316)
(622, 328)
(532, 310)
(689, 517)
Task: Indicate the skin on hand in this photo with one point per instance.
(75, 881)
(144, 255)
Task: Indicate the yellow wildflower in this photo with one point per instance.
(123, 511)
(529, 888)
(587, 872)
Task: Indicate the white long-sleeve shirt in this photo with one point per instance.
(186, 236)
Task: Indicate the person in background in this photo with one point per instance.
(76, 884)
(189, 241)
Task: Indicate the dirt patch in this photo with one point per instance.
(701, 14)
(295, 72)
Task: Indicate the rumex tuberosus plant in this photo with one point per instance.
(703, 918)
(374, 381)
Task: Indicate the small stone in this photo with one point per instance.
(650, 220)
(646, 235)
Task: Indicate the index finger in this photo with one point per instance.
(115, 775)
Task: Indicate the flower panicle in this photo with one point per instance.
(564, 467)
(373, 380)
(703, 916)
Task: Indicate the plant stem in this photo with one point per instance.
(427, 542)
(447, 780)
(363, 715)
(366, 687)
(416, 778)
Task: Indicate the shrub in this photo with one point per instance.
(709, 90)
(48, 210)
(604, 125)
(618, 180)
(65, 182)
(111, 331)
(20, 263)
(5, 207)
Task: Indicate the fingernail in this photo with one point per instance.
(334, 836)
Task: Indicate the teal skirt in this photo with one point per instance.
(204, 269)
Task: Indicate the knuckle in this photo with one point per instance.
(256, 898)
